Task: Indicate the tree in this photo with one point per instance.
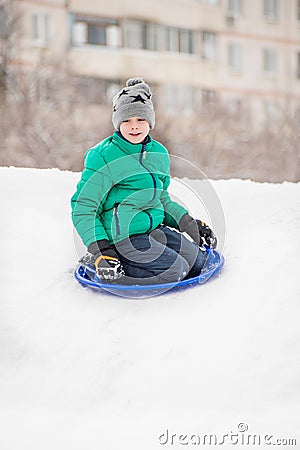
(9, 21)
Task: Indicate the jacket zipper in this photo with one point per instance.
(143, 155)
(151, 220)
(116, 215)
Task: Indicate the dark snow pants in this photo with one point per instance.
(162, 256)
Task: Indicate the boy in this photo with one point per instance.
(122, 209)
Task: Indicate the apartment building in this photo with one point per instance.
(242, 53)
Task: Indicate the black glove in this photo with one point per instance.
(105, 260)
(199, 231)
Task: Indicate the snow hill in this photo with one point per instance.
(85, 371)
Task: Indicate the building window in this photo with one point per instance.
(271, 10)
(172, 40)
(234, 107)
(44, 89)
(96, 35)
(79, 33)
(96, 31)
(180, 97)
(90, 90)
(209, 45)
(112, 88)
(142, 35)
(270, 61)
(179, 40)
(235, 56)
(2, 21)
(208, 96)
(40, 29)
(186, 41)
(234, 8)
(271, 112)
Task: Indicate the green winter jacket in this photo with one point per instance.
(123, 191)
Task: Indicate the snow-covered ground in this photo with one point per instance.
(85, 371)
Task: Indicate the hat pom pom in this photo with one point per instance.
(134, 81)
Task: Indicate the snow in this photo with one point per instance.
(83, 370)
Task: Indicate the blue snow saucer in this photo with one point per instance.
(88, 277)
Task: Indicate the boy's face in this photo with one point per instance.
(135, 129)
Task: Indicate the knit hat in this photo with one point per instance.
(133, 101)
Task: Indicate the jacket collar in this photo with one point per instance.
(127, 146)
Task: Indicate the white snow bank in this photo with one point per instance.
(81, 370)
